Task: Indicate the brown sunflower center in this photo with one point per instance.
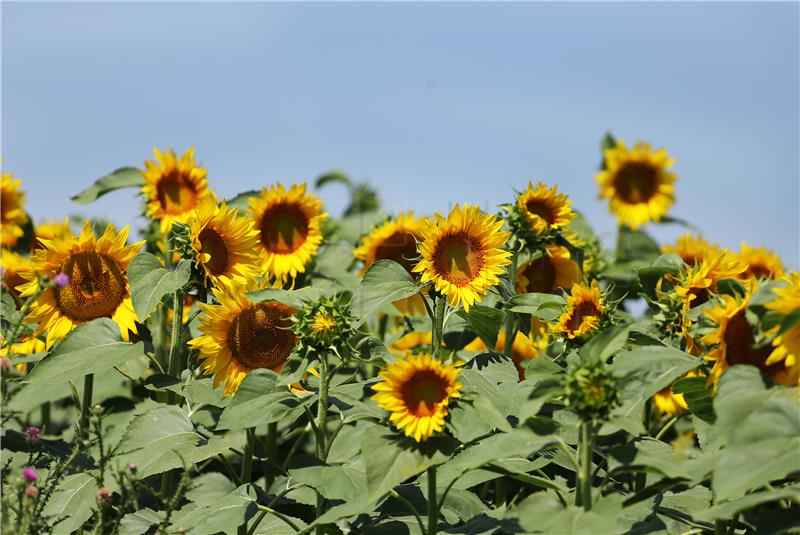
(701, 295)
(636, 182)
(759, 270)
(585, 309)
(422, 391)
(458, 258)
(7, 203)
(176, 193)
(259, 337)
(213, 244)
(541, 275)
(739, 340)
(97, 286)
(400, 247)
(284, 228)
(542, 209)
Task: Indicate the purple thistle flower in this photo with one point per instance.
(33, 434)
(61, 280)
(30, 474)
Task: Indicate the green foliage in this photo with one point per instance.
(124, 177)
(150, 281)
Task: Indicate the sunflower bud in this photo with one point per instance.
(322, 324)
(591, 389)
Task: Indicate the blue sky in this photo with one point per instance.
(432, 103)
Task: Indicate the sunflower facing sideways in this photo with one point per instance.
(583, 313)
(173, 187)
(462, 254)
(396, 240)
(787, 344)
(239, 335)
(692, 249)
(288, 225)
(549, 272)
(12, 214)
(637, 182)
(417, 391)
(13, 265)
(225, 243)
(544, 209)
(98, 282)
(761, 263)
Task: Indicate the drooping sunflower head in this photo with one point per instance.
(692, 249)
(13, 266)
(49, 230)
(760, 262)
(173, 186)
(462, 254)
(637, 182)
(323, 323)
(583, 313)
(98, 282)
(12, 211)
(417, 391)
(553, 270)
(288, 226)
(225, 244)
(239, 335)
(786, 346)
(544, 209)
(734, 339)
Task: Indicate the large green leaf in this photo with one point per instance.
(139, 522)
(90, 348)
(730, 508)
(124, 177)
(636, 245)
(225, 515)
(546, 307)
(384, 282)
(260, 400)
(659, 457)
(486, 323)
(150, 282)
(741, 391)
(72, 501)
(338, 482)
(162, 439)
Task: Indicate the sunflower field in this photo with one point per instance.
(254, 366)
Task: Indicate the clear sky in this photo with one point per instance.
(433, 103)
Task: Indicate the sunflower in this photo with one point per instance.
(173, 187)
(668, 402)
(49, 230)
(98, 282)
(584, 310)
(411, 341)
(225, 243)
(734, 339)
(12, 214)
(637, 183)
(551, 271)
(545, 209)
(692, 249)
(462, 254)
(761, 263)
(523, 348)
(28, 345)
(13, 265)
(240, 335)
(417, 391)
(288, 226)
(787, 344)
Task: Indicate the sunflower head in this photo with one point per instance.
(591, 389)
(786, 346)
(551, 271)
(323, 323)
(670, 403)
(411, 342)
(288, 226)
(173, 186)
(462, 254)
(584, 311)
(49, 230)
(27, 345)
(637, 182)
(97, 287)
(239, 335)
(223, 243)
(12, 211)
(13, 265)
(417, 391)
(544, 209)
(692, 249)
(522, 349)
(760, 262)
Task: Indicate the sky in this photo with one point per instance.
(432, 103)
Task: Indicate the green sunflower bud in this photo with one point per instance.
(591, 389)
(322, 324)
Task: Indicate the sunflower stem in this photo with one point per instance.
(433, 504)
(86, 405)
(583, 496)
(247, 466)
(322, 413)
(271, 452)
(45, 417)
(438, 322)
(175, 341)
(510, 324)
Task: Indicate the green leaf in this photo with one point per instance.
(124, 177)
(338, 482)
(72, 501)
(333, 177)
(92, 347)
(546, 307)
(636, 245)
(139, 522)
(272, 525)
(659, 457)
(162, 439)
(729, 509)
(741, 391)
(606, 343)
(460, 505)
(392, 460)
(384, 282)
(762, 448)
(209, 489)
(223, 516)
(697, 397)
(294, 298)
(261, 400)
(150, 282)
(486, 323)
(241, 201)
(492, 401)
